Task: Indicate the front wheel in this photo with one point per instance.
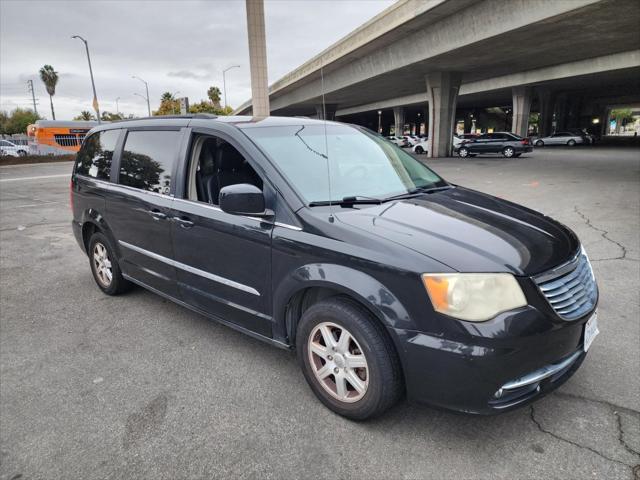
(508, 152)
(539, 143)
(571, 143)
(348, 359)
(463, 152)
(22, 153)
(419, 150)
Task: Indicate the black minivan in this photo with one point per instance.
(326, 238)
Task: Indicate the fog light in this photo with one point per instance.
(498, 394)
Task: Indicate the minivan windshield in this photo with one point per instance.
(361, 164)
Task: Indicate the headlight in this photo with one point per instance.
(475, 297)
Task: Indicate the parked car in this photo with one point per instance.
(402, 142)
(11, 149)
(505, 143)
(412, 140)
(560, 138)
(588, 138)
(422, 146)
(387, 280)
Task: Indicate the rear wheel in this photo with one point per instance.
(539, 143)
(508, 152)
(22, 153)
(348, 359)
(463, 152)
(104, 266)
(571, 143)
(419, 150)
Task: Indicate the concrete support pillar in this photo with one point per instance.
(561, 112)
(258, 58)
(546, 103)
(442, 95)
(521, 109)
(398, 115)
(326, 112)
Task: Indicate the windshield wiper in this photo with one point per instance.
(416, 191)
(348, 201)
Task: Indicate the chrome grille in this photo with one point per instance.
(571, 289)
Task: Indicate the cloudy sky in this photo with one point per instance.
(174, 45)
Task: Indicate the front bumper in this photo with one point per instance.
(470, 373)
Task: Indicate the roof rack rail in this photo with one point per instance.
(209, 116)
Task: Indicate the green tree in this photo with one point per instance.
(111, 117)
(85, 115)
(50, 79)
(17, 122)
(622, 116)
(214, 96)
(168, 105)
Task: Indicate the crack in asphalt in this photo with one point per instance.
(604, 234)
(613, 406)
(621, 436)
(571, 442)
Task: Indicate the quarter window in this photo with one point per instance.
(94, 158)
(148, 159)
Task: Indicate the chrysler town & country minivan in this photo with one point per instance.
(326, 238)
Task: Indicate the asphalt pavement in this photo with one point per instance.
(135, 386)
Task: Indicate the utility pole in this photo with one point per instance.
(33, 95)
(93, 84)
(258, 58)
(117, 108)
(224, 82)
(146, 86)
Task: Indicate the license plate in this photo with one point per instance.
(590, 331)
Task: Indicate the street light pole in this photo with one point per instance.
(146, 86)
(380, 122)
(173, 95)
(224, 82)
(93, 84)
(117, 108)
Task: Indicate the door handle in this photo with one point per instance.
(184, 222)
(157, 214)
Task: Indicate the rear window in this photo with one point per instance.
(148, 159)
(94, 158)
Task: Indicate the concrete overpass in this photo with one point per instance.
(432, 57)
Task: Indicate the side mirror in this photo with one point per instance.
(243, 199)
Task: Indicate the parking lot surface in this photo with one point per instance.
(134, 386)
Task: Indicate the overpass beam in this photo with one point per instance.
(521, 110)
(326, 112)
(442, 95)
(398, 116)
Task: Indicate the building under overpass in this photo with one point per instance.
(437, 61)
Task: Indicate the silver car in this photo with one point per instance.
(560, 138)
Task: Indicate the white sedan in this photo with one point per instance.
(561, 138)
(11, 149)
(421, 146)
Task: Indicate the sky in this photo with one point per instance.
(176, 46)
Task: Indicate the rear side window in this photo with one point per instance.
(148, 159)
(94, 158)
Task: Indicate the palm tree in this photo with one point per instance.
(50, 79)
(85, 115)
(166, 97)
(214, 95)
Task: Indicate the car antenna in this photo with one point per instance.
(326, 141)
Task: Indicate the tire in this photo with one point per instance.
(100, 247)
(419, 150)
(571, 143)
(508, 152)
(380, 380)
(22, 153)
(463, 152)
(539, 143)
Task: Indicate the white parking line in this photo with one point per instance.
(34, 178)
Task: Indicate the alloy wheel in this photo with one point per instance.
(102, 265)
(463, 152)
(338, 363)
(508, 152)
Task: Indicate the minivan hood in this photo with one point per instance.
(470, 231)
